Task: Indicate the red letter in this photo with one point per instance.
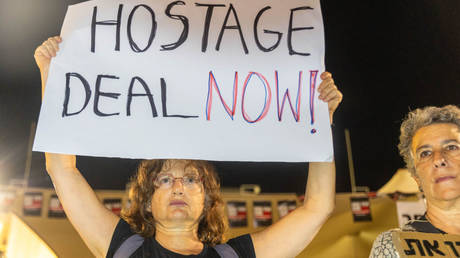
(313, 75)
(295, 113)
(268, 98)
(213, 84)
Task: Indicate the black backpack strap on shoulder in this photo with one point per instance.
(225, 251)
(129, 246)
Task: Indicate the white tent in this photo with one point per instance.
(402, 182)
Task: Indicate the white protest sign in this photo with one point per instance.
(227, 80)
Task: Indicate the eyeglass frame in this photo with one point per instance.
(198, 177)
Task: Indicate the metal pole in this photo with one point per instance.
(29, 155)
(350, 161)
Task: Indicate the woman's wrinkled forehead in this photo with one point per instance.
(185, 166)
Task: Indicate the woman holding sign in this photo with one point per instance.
(177, 210)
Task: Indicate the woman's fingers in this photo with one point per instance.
(328, 92)
(54, 43)
(332, 95)
(325, 75)
(325, 83)
(49, 47)
(40, 52)
(327, 87)
(46, 51)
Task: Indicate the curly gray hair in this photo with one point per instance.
(419, 118)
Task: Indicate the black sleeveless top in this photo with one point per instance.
(126, 243)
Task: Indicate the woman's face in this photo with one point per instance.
(178, 200)
(436, 152)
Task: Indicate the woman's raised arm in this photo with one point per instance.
(91, 219)
(289, 236)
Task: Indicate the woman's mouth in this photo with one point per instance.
(177, 203)
(444, 179)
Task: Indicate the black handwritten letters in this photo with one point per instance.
(152, 32)
(293, 29)
(454, 247)
(138, 84)
(116, 23)
(85, 84)
(231, 14)
(256, 35)
(98, 94)
(183, 36)
(146, 94)
(422, 247)
(229, 27)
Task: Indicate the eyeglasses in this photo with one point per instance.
(166, 181)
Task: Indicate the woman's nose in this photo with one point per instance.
(439, 160)
(178, 186)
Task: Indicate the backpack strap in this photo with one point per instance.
(129, 246)
(132, 243)
(225, 251)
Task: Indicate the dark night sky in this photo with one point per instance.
(387, 57)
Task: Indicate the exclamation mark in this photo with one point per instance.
(313, 75)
